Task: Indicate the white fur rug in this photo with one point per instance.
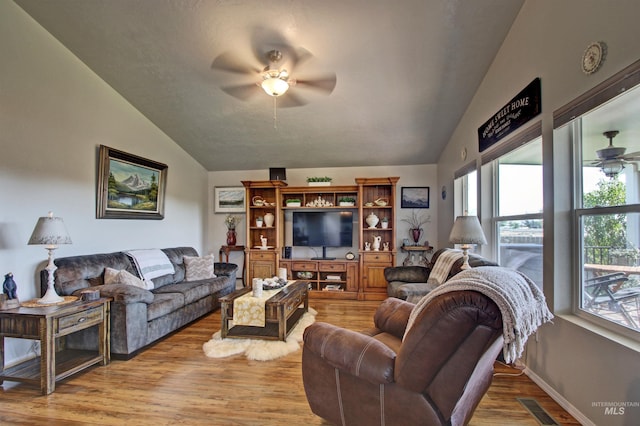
(259, 349)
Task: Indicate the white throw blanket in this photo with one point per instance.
(442, 267)
(151, 263)
(522, 304)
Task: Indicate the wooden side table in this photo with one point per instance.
(47, 324)
(416, 255)
(228, 249)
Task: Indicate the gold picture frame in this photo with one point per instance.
(129, 187)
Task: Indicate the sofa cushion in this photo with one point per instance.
(113, 276)
(191, 291)
(175, 255)
(163, 304)
(198, 268)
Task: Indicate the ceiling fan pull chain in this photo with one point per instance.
(275, 113)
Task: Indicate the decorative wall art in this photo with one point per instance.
(129, 187)
(228, 199)
(414, 197)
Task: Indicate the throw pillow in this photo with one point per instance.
(114, 276)
(199, 268)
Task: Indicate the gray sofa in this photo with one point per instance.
(139, 316)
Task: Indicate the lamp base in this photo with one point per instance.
(50, 296)
(465, 257)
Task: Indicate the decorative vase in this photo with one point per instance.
(259, 223)
(372, 220)
(416, 233)
(376, 243)
(268, 220)
(384, 225)
(231, 237)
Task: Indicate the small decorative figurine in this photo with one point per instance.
(263, 240)
(385, 246)
(367, 246)
(9, 287)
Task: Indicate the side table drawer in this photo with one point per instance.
(80, 320)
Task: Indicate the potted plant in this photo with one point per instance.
(319, 181)
(293, 202)
(415, 221)
(384, 222)
(347, 201)
(259, 221)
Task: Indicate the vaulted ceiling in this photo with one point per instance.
(405, 72)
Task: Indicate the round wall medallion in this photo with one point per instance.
(463, 154)
(593, 57)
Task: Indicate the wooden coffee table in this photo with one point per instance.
(282, 312)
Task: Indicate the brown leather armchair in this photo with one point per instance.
(436, 375)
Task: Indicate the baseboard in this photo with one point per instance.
(569, 408)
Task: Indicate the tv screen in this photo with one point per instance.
(323, 229)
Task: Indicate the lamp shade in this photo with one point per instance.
(467, 230)
(50, 231)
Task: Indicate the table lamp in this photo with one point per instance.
(50, 231)
(466, 231)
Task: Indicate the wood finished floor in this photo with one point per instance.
(173, 382)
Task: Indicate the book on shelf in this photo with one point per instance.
(334, 277)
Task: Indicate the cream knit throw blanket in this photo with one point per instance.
(443, 265)
(522, 304)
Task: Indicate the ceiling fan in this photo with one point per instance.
(274, 75)
(612, 159)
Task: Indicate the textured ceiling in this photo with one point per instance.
(406, 71)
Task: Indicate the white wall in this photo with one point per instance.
(54, 113)
(419, 175)
(582, 364)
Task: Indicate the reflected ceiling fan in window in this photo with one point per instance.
(271, 71)
(612, 159)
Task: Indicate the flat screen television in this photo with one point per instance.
(323, 229)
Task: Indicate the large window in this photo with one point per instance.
(517, 211)
(606, 212)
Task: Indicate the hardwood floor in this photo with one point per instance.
(173, 382)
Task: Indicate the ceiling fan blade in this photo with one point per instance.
(632, 156)
(325, 84)
(243, 92)
(290, 100)
(228, 61)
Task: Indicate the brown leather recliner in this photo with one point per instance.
(437, 375)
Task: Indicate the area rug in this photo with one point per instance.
(259, 349)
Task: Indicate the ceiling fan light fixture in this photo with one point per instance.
(611, 168)
(274, 85)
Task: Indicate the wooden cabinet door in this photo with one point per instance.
(373, 278)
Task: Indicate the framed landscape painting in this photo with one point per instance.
(228, 199)
(129, 187)
(415, 197)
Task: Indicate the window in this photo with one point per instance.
(518, 203)
(605, 138)
(466, 191)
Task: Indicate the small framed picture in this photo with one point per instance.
(414, 197)
(228, 199)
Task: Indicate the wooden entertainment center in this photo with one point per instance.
(361, 278)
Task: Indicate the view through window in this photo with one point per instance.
(607, 141)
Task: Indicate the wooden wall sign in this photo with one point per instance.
(522, 108)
